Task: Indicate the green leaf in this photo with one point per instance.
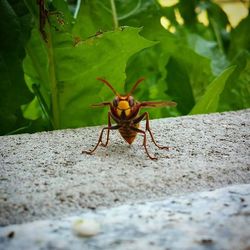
(93, 17)
(13, 90)
(209, 101)
(32, 111)
(210, 50)
(76, 69)
(240, 39)
(102, 56)
(179, 85)
(236, 94)
(188, 76)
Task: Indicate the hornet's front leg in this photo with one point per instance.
(109, 126)
(144, 141)
(100, 137)
(139, 119)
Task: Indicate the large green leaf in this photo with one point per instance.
(66, 67)
(77, 67)
(103, 56)
(14, 92)
(208, 103)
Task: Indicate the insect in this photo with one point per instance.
(124, 110)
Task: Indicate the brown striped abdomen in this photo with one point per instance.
(127, 133)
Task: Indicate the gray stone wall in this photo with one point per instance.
(44, 176)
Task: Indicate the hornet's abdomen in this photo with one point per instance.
(127, 133)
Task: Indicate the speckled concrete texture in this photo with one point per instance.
(44, 175)
(208, 220)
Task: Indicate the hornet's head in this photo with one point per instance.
(123, 104)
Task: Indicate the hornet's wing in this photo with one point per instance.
(158, 104)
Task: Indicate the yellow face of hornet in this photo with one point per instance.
(123, 105)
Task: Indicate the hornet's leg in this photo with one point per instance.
(144, 141)
(140, 118)
(109, 125)
(100, 138)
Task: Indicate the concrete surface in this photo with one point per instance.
(209, 220)
(44, 175)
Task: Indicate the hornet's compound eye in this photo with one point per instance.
(115, 102)
(131, 101)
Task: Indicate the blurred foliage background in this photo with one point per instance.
(194, 52)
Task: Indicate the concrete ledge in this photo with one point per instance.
(209, 220)
(44, 175)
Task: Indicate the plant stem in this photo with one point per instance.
(19, 130)
(43, 104)
(53, 83)
(115, 19)
(217, 34)
(78, 5)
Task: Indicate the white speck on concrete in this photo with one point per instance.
(85, 227)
